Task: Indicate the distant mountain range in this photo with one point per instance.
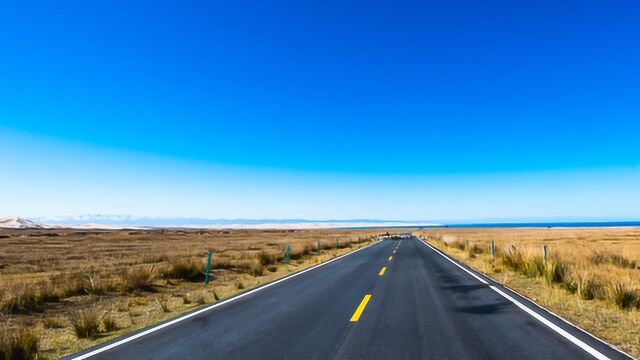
(142, 222)
(121, 221)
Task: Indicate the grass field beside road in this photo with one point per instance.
(65, 290)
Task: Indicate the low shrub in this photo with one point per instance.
(299, 252)
(457, 244)
(22, 299)
(222, 264)
(533, 267)
(617, 260)
(513, 259)
(20, 344)
(186, 270)
(266, 258)
(623, 295)
(555, 270)
(86, 323)
(85, 284)
(109, 324)
(257, 269)
(327, 246)
(622, 262)
(139, 278)
(474, 249)
(584, 285)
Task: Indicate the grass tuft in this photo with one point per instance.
(186, 270)
(109, 324)
(23, 299)
(268, 258)
(584, 285)
(19, 345)
(605, 257)
(86, 323)
(139, 278)
(623, 295)
(556, 269)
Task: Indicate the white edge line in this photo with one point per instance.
(190, 315)
(543, 309)
(581, 344)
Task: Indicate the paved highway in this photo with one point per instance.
(392, 300)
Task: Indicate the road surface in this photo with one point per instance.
(392, 300)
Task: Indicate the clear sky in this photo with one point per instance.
(444, 111)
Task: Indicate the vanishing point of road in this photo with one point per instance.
(396, 299)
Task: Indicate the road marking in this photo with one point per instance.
(394, 251)
(211, 307)
(382, 271)
(360, 309)
(581, 344)
(390, 257)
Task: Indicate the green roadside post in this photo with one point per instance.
(544, 254)
(493, 249)
(287, 251)
(207, 268)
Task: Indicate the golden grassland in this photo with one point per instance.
(65, 290)
(591, 276)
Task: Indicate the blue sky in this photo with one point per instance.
(447, 111)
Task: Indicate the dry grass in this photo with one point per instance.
(185, 269)
(19, 345)
(86, 323)
(109, 324)
(139, 278)
(591, 268)
(63, 282)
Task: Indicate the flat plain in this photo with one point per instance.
(62, 291)
(65, 290)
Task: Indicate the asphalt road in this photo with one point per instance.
(423, 306)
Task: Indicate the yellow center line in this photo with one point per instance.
(360, 309)
(390, 257)
(382, 271)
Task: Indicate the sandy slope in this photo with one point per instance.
(14, 222)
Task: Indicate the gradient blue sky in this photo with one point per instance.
(444, 111)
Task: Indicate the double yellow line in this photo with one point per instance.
(363, 304)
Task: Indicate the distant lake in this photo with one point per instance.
(516, 225)
(553, 224)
